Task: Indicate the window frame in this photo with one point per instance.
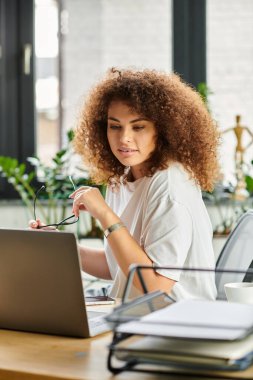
(189, 40)
(17, 100)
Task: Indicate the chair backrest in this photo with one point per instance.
(237, 254)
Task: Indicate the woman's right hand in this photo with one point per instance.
(38, 225)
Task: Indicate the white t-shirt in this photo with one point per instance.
(167, 217)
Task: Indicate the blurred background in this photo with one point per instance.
(52, 51)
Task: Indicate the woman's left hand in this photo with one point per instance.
(89, 199)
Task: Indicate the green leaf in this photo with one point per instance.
(249, 183)
(30, 177)
(22, 168)
(34, 161)
(70, 135)
(12, 180)
(61, 153)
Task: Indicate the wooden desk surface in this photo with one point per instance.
(36, 356)
(28, 356)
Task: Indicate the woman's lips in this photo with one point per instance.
(127, 152)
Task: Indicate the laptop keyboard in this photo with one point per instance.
(96, 319)
(94, 314)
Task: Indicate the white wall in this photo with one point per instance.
(230, 70)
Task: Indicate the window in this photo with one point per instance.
(47, 78)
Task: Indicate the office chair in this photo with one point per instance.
(237, 254)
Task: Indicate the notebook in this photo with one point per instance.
(187, 353)
(41, 286)
(196, 319)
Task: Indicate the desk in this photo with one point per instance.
(27, 356)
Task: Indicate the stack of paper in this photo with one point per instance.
(192, 354)
(192, 333)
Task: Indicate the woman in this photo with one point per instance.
(150, 137)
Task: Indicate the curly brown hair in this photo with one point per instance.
(186, 132)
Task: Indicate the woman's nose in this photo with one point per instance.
(126, 136)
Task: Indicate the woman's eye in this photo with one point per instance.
(138, 127)
(114, 126)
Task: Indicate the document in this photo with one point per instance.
(196, 319)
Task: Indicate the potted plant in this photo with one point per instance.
(52, 203)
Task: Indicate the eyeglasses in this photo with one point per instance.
(66, 221)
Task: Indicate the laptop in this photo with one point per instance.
(41, 287)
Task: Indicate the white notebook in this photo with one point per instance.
(196, 319)
(185, 352)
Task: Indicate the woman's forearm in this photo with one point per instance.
(127, 251)
(94, 262)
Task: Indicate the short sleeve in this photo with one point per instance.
(166, 234)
